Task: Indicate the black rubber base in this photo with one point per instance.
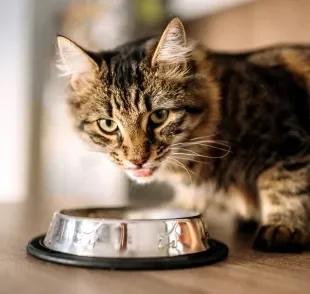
(216, 253)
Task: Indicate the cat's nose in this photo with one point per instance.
(139, 161)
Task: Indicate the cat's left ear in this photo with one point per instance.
(76, 63)
(172, 48)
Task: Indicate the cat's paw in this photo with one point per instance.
(280, 238)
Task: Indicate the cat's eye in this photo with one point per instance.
(159, 116)
(107, 125)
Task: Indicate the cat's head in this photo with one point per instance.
(136, 101)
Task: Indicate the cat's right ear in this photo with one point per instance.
(75, 63)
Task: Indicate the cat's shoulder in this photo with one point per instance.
(281, 54)
(292, 58)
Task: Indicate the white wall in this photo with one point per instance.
(14, 128)
(27, 29)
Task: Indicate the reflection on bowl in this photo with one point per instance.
(125, 233)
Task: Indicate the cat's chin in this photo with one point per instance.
(143, 181)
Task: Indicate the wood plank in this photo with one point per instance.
(245, 271)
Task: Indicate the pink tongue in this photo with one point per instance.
(142, 172)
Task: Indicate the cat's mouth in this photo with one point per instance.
(141, 174)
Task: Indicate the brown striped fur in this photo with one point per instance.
(238, 126)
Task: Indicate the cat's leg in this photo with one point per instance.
(212, 203)
(194, 197)
(284, 193)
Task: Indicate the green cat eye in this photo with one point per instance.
(107, 125)
(159, 116)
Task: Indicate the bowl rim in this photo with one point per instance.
(187, 214)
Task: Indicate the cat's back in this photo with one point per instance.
(271, 83)
(289, 61)
(265, 107)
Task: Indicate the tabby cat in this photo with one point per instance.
(209, 123)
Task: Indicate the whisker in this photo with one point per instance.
(190, 154)
(199, 155)
(182, 165)
(172, 162)
(214, 147)
(188, 170)
(200, 142)
(194, 160)
(189, 160)
(168, 169)
(199, 138)
(221, 143)
(206, 145)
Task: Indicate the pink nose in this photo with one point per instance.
(138, 161)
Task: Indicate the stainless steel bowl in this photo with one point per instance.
(125, 233)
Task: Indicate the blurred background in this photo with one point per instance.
(40, 155)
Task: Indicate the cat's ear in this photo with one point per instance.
(75, 63)
(172, 48)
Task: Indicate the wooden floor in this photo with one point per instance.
(245, 271)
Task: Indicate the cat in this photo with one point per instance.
(235, 126)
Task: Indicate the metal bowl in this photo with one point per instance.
(127, 233)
